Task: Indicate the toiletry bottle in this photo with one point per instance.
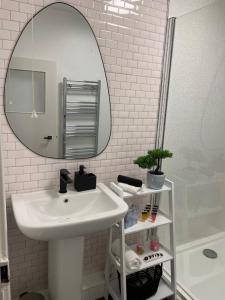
(140, 248)
(144, 215)
(128, 221)
(135, 214)
(154, 213)
(154, 244)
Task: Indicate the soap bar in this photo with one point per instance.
(129, 180)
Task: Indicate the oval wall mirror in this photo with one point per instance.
(56, 95)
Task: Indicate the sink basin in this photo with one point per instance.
(49, 215)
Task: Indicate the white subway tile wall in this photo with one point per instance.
(130, 35)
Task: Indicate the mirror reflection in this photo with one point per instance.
(56, 94)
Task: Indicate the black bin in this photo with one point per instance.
(144, 284)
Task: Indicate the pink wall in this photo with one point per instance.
(130, 35)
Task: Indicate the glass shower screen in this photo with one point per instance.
(195, 123)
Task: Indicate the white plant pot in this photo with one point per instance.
(154, 181)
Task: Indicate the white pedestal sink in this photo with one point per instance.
(63, 220)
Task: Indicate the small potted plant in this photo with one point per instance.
(153, 161)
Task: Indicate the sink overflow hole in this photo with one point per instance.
(66, 200)
(209, 253)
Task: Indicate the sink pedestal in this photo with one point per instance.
(65, 265)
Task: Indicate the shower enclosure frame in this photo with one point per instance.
(165, 81)
(161, 124)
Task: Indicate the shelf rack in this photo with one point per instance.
(81, 118)
(166, 289)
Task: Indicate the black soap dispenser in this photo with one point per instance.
(81, 170)
(84, 181)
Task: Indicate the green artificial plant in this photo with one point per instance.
(153, 159)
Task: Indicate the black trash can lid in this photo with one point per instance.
(31, 296)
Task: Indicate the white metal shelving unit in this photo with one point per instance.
(166, 289)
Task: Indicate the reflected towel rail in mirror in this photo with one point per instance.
(81, 98)
(80, 152)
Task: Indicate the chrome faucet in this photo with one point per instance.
(64, 180)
